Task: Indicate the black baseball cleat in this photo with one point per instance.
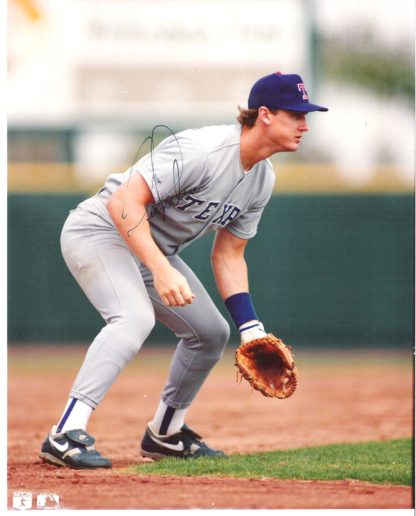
(185, 444)
(74, 449)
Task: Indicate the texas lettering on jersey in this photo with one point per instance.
(226, 214)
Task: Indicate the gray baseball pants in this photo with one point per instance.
(122, 291)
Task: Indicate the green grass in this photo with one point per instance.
(387, 462)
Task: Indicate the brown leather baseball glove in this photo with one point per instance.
(268, 365)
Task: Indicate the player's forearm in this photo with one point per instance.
(133, 225)
(231, 275)
(127, 208)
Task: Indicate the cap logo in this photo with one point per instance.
(301, 87)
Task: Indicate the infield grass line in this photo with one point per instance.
(379, 462)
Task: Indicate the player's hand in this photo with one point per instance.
(255, 333)
(172, 287)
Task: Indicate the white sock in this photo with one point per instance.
(167, 420)
(75, 416)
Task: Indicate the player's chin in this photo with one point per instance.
(293, 146)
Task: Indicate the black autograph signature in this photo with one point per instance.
(175, 195)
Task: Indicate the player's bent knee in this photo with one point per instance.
(216, 338)
(212, 328)
(223, 333)
(139, 330)
(133, 329)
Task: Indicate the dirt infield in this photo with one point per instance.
(352, 397)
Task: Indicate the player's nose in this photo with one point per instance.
(304, 125)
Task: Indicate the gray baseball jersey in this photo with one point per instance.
(199, 186)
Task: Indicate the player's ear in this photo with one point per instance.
(265, 116)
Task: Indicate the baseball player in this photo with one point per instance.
(123, 248)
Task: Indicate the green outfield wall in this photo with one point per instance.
(331, 270)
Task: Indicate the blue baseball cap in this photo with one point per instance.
(281, 91)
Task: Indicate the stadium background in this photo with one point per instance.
(333, 261)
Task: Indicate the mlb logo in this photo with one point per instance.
(47, 501)
(22, 500)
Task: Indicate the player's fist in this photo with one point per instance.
(172, 287)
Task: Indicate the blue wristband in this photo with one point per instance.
(241, 308)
